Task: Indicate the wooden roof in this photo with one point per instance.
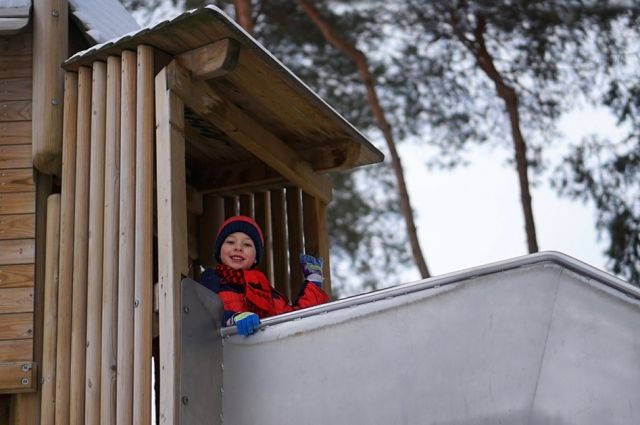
(259, 86)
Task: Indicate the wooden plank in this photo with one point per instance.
(16, 350)
(49, 338)
(231, 206)
(212, 60)
(16, 276)
(80, 249)
(18, 251)
(50, 49)
(262, 202)
(280, 243)
(15, 156)
(15, 110)
(18, 203)
(16, 44)
(20, 180)
(209, 222)
(65, 282)
(16, 300)
(16, 326)
(15, 88)
(247, 132)
(296, 241)
(108, 363)
(17, 377)
(16, 66)
(172, 241)
(246, 204)
(96, 243)
(126, 248)
(19, 226)
(316, 234)
(143, 313)
(15, 133)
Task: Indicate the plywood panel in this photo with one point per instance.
(20, 180)
(18, 203)
(15, 110)
(16, 276)
(15, 132)
(15, 156)
(16, 350)
(17, 226)
(16, 300)
(16, 326)
(15, 88)
(20, 251)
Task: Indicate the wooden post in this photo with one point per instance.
(263, 218)
(124, 383)
(80, 248)
(67, 201)
(143, 312)
(279, 234)
(96, 243)
(47, 402)
(296, 246)
(110, 262)
(50, 42)
(246, 205)
(316, 236)
(211, 218)
(172, 241)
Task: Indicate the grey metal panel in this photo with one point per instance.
(201, 355)
(532, 344)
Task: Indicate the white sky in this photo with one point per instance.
(472, 215)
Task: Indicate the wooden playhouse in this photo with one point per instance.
(111, 191)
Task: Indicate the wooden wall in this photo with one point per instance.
(17, 215)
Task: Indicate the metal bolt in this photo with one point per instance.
(55, 101)
(136, 303)
(185, 309)
(185, 400)
(26, 367)
(25, 381)
(55, 13)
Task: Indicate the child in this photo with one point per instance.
(245, 291)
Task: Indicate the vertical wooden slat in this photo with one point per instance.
(80, 249)
(50, 35)
(124, 382)
(67, 201)
(172, 241)
(110, 263)
(96, 243)
(316, 236)
(246, 205)
(144, 238)
(294, 228)
(47, 402)
(280, 244)
(230, 206)
(263, 218)
(211, 218)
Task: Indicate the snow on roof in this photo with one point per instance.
(14, 15)
(102, 20)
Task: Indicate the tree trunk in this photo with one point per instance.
(243, 15)
(508, 94)
(363, 68)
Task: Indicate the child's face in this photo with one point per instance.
(238, 251)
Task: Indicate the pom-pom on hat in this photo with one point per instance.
(239, 223)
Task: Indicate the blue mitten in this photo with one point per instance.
(247, 322)
(312, 268)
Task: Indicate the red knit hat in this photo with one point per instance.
(239, 223)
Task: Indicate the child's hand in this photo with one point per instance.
(312, 268)
(247, 322)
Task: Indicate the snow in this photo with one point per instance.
(103, 20)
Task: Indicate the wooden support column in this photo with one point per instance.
(316, 236)
(63, 348)
(50, 40)
(296, 244)
(280, 245)
(211, 218)
(80, 249)
(96, 243)
(126, 246)
(108, 363)
(143, 312)
(172, 241)
(263, 218)
(47, 401)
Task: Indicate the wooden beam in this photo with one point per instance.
(212, 60)
(247, 132)
(316, 235)
(296, 242)
(17, 377)
(18, 203)
(172, 241)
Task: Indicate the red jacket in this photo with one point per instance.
(249, 290)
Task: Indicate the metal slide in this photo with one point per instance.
(541, 339)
